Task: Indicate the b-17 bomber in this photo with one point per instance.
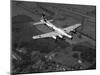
(52, 37)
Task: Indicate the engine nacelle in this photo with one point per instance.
(60, 36)
(54, 37)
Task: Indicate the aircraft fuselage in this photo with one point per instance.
(59, 31)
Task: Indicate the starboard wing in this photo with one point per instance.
(71, 28)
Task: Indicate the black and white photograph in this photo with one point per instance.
(51, 37)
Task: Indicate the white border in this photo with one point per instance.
(5, 36)
(85, 2)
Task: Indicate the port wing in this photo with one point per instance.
(50, 34)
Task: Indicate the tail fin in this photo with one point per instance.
(42, 18)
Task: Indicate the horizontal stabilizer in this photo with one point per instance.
(37, 23)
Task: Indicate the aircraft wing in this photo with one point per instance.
(37, 23)
(71, 28)
(50, 34)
